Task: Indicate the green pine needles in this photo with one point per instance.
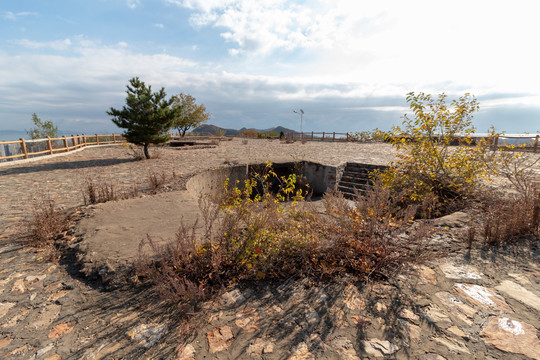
(146, 116)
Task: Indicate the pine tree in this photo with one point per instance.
(42, 129)
(146, 116)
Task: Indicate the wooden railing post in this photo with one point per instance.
(312, 135)
(23, 148)
(114, 138)
(496, 142)
(536, 143)
(73, 140)
(323, 135)
(334, 136)
(64, 139)
(84, 138)
(97, 139)
(49, 145)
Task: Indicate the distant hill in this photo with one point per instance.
(214, 130)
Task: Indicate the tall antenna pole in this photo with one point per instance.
(301, 112)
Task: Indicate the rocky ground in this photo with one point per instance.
(478, 304)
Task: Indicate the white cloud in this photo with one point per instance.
(132, 4)
(8, 15)
(159, 26)
(417, 42)
(52, 45)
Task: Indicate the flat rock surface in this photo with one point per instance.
(49, 311)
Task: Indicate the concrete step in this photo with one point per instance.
(354, 184)
(356, 178)
(360, 179)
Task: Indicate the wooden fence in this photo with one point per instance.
(532, 145)
(321, 136)
(32, 148)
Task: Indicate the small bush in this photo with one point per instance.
(513, 217)
(372, 235)
(47, 222)
(369, 136)
(248, 133)
(428, 166)
(502, 223)
(156, 181)
(98, 193)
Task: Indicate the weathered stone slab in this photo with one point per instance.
(186, 352)
(353, 300)
(453, 345)
(460, 272)
(512, 336)
(344, 348)
(260, 346)
(61, 329)
(233, 298)
(457, 219)
(5, 342)
(431, 356)
(519, 293)
(219, 338)
(426, 274)
(457, 307)
(147, 335)
(434, 314)
(248, 319)
(5, 307)
(379, 348)
(301, 352)
(483, 297)
(45, 317)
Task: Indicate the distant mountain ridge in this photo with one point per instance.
(213, 129)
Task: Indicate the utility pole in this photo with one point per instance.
(301, 112)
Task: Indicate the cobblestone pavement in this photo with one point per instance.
(482, 306)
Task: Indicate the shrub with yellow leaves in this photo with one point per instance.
(437, 155)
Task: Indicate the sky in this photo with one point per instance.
(348, 64)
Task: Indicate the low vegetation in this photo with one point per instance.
(46, 222)
(253, 233)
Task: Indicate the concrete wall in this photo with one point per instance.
(319, 177)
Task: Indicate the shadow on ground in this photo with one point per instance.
(64, 165)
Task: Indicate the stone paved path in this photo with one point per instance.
(479, 305)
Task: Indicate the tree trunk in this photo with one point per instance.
(183, 132)
(146, 153)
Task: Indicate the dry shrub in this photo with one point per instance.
(511, 218)
(250, 233)
(47, 222)
(156, 180)
(372, 234)
(97, 193)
